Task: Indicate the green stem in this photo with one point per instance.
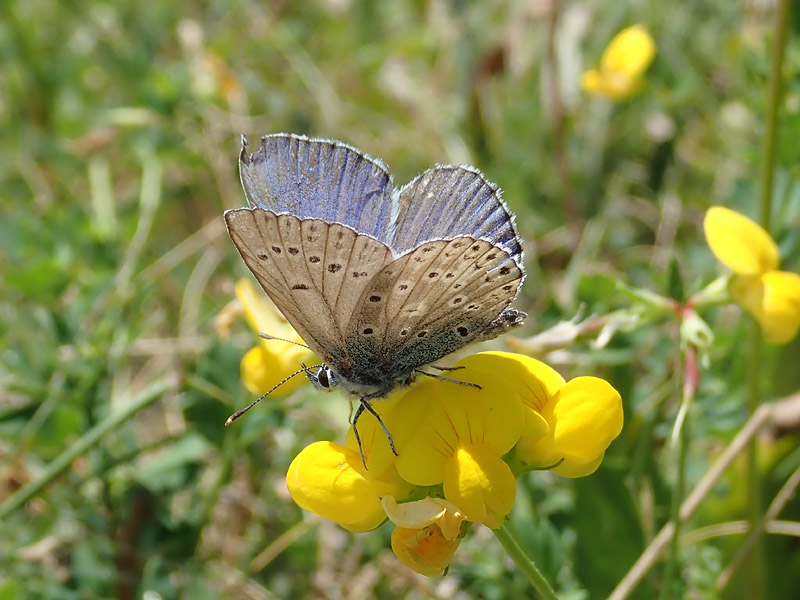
(90, 439)
(756, 582)
(678, 493)
(780, 33)
(511, 545)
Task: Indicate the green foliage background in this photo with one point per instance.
(121, 126)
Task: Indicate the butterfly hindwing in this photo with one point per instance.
(433, 301)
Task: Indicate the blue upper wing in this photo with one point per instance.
(445, 202)
(336, 183)
(318, 179)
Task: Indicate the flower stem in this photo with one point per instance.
(511, 545)
(780, 32)
(756, 581)
(675, 517)
(755, 577)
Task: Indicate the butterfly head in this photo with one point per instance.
(323, 378)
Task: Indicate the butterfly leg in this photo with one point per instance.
(365, 405)
(442, 368)
(441, 378)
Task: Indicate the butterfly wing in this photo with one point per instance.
(314, 272)
(318, 179)
(445, 202)
(432, 301)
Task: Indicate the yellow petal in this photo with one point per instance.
(574, 469)
(263, 368)
(374, 442)
(622, 65)
(774, 300)
(533, 381)
(592, 82)
(329, 480)
(426, 551)
(434, 417)
(739, 243)
(419, 514)
(629, 53)
(480, 484)
(584, 417)
(261, 314)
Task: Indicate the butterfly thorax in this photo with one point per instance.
(365, 385)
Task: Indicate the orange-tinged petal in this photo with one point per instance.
(480, 484)
(739, 243)
(426, 551)
(419, 514)
(329, 480)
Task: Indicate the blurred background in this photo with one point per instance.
(121, 126)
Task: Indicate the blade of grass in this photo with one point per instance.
(146, 397)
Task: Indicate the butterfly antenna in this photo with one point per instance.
(239, 413)
(267, 336)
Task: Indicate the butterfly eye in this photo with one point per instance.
(325, 378)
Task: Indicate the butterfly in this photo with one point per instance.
(379, 282)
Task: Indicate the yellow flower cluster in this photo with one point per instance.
(622, 65)
(451, 441)
(454, 443)
(770, 295)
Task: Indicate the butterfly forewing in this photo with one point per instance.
(318, 179)
(445, 202)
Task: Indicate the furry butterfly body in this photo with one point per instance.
(378, 282)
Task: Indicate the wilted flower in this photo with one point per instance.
(770, 295)
(622, 65)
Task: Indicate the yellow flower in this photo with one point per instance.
(271, 361)
(771, 296)
(456, 435)
(622, 65)
(427, 534)
(567, 424)
(329, 480)
(451, 440)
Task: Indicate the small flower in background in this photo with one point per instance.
(271, 361)
(770, 295)
(453, 444)
(622, 65)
